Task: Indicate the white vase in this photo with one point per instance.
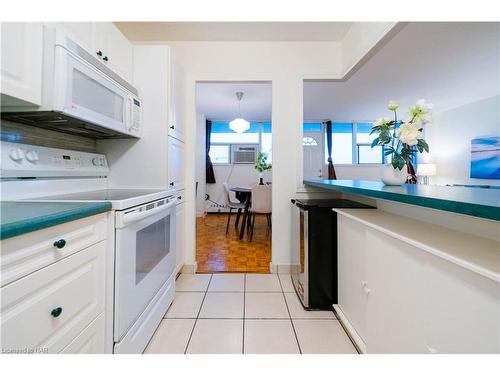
(393, 176)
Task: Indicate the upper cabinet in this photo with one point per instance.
(176, 125)
(21, 68)
(113, 49)
(104, 41)
(82, 32)
(22, 56)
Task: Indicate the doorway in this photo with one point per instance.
(233, 231)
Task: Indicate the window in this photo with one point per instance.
(222, 138)
(341, 143)
(266, 144)
(219, 154)
(365, 154)
(351, 142)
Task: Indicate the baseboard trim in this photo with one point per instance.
(353, 335)
(189, 268)
(280, 268)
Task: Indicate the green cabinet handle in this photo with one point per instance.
(60, 243)
(56, 312)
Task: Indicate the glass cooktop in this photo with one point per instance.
(104, 195)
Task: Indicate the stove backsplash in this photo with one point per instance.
(21, 133)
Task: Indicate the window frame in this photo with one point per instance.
(231, 144)
(354, 144)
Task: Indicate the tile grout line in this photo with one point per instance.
(244, 299)
(198, 315)
(290, 315)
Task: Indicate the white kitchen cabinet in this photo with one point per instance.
(180, 218)
(22, 255)
(176, 163)
(428, 289)
(394, 295)
(117, 51)
(461, 309)
(50, 307)
(90, 341)
(352, 295)
(21, 65)
(83, 33)
(177, 128)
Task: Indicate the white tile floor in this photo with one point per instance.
(245, 313)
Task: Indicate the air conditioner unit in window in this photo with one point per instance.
(244, 154)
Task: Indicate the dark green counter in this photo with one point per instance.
(23, 217)
(479, 202)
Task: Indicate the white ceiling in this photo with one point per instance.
(448, 64)
(234, 31)
(217, 101)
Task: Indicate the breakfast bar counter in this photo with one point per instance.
(478, 202)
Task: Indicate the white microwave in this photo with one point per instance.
(80, 95)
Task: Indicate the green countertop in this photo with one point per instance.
(479, 202)
(22, 217)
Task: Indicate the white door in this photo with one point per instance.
(176, 163)
(145, 259)
(21, 66)
(313, 155)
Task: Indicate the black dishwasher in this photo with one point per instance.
(314, 254)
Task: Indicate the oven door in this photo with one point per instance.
(145, 258)
(86, 93)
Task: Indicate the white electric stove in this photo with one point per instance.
(144, 230)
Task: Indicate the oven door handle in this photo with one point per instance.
(125, 219)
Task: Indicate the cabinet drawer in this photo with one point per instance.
(29, 310)
(24, 254)
(90, 341)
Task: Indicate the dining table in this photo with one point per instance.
(244, 195)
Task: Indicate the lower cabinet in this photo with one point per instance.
(395, 297)
(352, 273)
(90, 341)
(54, 299)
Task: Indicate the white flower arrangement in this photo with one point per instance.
(399, 136)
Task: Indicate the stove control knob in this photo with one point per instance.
(95, 161)
(16, 154)
(32, 156)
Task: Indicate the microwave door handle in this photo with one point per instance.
(136, 216)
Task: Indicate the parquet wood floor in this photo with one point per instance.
(216, 252)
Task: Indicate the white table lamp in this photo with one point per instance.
(426, 170)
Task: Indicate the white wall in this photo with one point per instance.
(450, 138)
(284, 65)
(200, 159)
(357, 172)
(236, 175)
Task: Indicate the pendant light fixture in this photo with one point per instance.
(239, 125)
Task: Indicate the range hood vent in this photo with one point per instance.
(62, 123)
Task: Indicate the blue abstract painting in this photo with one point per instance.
(485, 158)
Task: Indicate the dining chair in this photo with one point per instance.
(232, 206)
(261, 204)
